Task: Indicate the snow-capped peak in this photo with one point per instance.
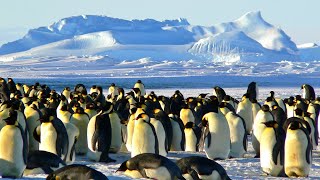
(252, 18)
(307, 45)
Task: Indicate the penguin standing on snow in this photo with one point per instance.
(245, 111)
(197, 167)
(178, 136)
(52, 135)
(14, 148)
(192, 137)
(272, 149)
(151, 166)
(263, 115)
(81, 120)
(144, 138)
(217, 142)
(219, 93)
(298, 149)
(99, 136)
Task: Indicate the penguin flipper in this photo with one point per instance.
(72, 150)
(47, 169)
(156, 143)
(193, 174)
(275, 152)
(37, 133)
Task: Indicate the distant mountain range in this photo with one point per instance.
(249, 38)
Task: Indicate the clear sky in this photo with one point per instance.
(299, 19)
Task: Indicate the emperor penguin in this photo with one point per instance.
(314, 110)
(93, 89)
(73, 136)
(197, 167)
(14, 148)
(42, 162)
(66, 92)
(81, 120)
(253, 91)
(144, 138)
(19, 88)
(113, 91)
(4, 90)
(76, 171)
(238, 134)
(141, 87)
(306, 117)
(187, 114)
(99, 136)
(219, 93)
(64, 113)
(263, 116)
(151, 166)
(290, 106)
(279, 115)
(272, 149)
(231, 100)
(165, 121)
(52, 135)
(91, 110)
(300, 103)
(32, 114)
(245, 111)
(192, 137)
(308, 92)
(11, 86)
(178, 136)
(298, 150)
(161, 134)
(217, 142)
(116, 136)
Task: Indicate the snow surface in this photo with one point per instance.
(237, 168)
(249, 38)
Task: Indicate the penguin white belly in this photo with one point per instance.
(11, 156)
(245, 111)
(48, 138)
(161, 135)
(220, 137)
(267, 144)
(255, 110)
(176, 137)
(81, 122)
(213, 176)
(160, 173)
(116, 132)
(143, 139)
(130, 130)
(237, 133)
(32, 118)
(295, 154)
(73, 133)
(258, 128)
(186, 116)
(290, 111)
(92, 154)
(191, 140)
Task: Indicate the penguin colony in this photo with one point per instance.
(42, 131)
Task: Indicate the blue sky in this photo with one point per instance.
(299, 19)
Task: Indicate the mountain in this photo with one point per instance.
(309, 52)
(250, 37)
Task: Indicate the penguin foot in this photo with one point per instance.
(257, 156)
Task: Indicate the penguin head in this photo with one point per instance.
(108, 107)
(64, 107)
(298, 98)
(90, 106)
(203, 95)
(139, 81)
(48, 115)
(299, 112)
(143, 116)
(272, 94)
(123, 167)
(273, 124)
(80, 110)
(265, 108)
(294, 125)
(12, 119)
(112, 85)
(227, 98)
(269, 99)
(67, 88)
